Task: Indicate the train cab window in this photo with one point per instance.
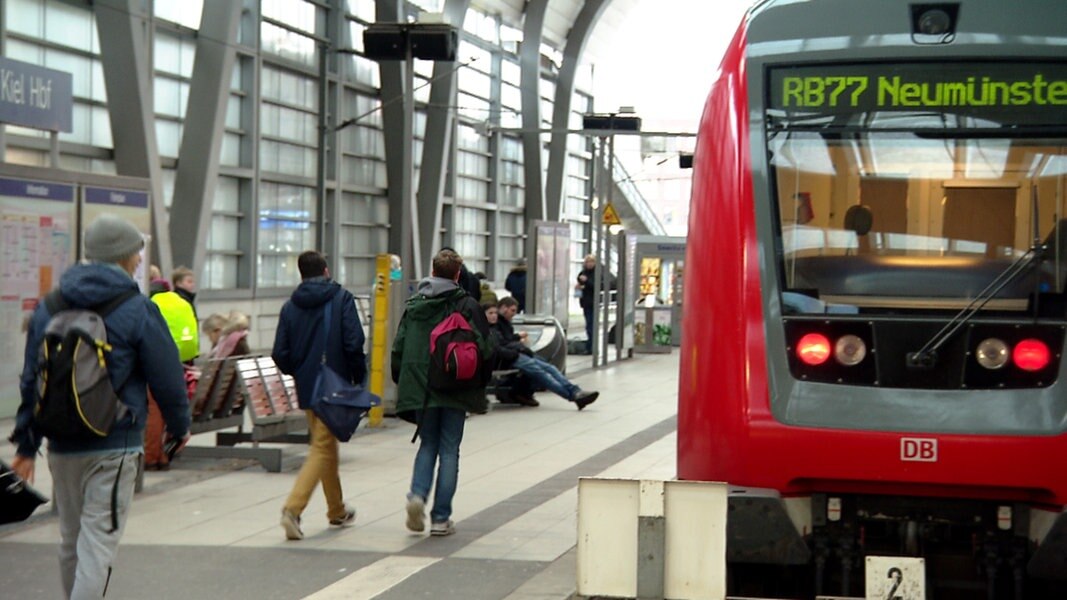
(955, 193)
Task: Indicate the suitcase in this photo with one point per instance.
(17, 499)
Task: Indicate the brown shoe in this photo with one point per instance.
(527, 400)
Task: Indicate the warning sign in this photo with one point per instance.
(610, 216)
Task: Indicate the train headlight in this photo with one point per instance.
(850, 350)
(1031, 355)
(992, 353)
(813, 349)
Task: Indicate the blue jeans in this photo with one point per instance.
(545, 375)
(588, 311)
(440, 432)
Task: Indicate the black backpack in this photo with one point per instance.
(75, 399)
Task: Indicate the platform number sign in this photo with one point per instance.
(895, 578)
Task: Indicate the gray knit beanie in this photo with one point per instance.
(111, 239)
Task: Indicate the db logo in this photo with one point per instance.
(918, 449)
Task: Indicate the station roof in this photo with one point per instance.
(559, 17)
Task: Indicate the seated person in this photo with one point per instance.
(504, 355)
(542, 373)
(228, 335)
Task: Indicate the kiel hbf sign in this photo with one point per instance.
(33, 96)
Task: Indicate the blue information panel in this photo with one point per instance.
(112, 197)
(33, 96)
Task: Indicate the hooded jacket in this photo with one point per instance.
(143, 353)
(516, 284)
(436, 299)
(299, 341)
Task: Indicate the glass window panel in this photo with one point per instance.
(100, 124)
(365, 108)
(98, 90)
(364, 171)
(224, 233)
(19, 50)
(227, 194)
(363, 70)
(295, 13)
(167, 56)
(363, 240)
(106, 167)
(510, 96)
(220, 272)
(287, 158)
(470, 139)
(167, 96)
(233, 112)
(510, 72)
(81, 132)
(168, 135)
(288, 123)
(290, 88)
(79, 67)
(474, 82)
(364, 9)
(287, 44)
(362, 208)
(69, 25)
(168, 186)
(472, 107)
(278, 271)
(182, 12)
(230, 154)
(355, 35)
(30, 19)
(21, 156)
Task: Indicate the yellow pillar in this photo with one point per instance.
(379, 327)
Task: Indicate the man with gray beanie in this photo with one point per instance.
(92, 490)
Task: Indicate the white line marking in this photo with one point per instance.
(374, 579)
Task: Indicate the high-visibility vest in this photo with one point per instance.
(181, 320)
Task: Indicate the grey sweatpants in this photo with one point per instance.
(83, 485)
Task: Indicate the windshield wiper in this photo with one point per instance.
(926, 357)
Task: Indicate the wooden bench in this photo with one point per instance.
(226, 389)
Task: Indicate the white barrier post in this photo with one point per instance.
(651, 539)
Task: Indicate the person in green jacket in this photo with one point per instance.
(440, 415)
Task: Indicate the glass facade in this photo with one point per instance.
(265, 208)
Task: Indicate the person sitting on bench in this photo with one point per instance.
(540, 372)
(519, 389)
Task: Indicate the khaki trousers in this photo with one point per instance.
(320, 465)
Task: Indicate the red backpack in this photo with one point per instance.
(455, 362)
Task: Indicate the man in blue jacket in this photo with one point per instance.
(299, 345)
(92, 489)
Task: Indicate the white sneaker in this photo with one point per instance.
(443, 528)
(416, 509)
(348, 519)
(291, 525)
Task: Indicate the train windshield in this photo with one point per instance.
(916, 186)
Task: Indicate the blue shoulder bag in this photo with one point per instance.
(339, 404)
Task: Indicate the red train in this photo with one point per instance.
(875, 306)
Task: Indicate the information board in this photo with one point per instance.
(36, 233)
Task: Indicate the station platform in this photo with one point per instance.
(209, 528)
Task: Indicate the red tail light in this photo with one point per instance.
(1031, 355)
(813, 349)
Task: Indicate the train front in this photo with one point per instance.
(878, 367)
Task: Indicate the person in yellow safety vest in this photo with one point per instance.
(181, 320)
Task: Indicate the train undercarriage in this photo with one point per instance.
(969, 549)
